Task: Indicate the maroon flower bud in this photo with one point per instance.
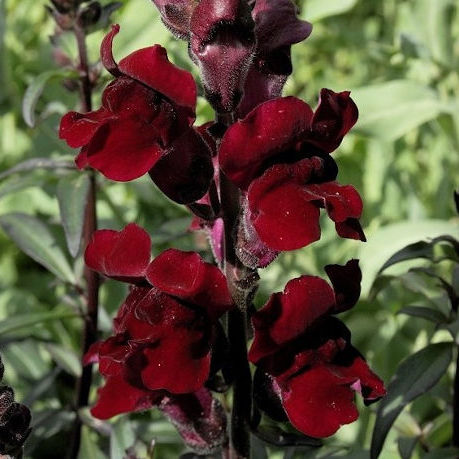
(176, 15)
(277, 28)
(222, 41)
(306, 354)
(199, 418)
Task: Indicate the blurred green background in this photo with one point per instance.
(400, 59)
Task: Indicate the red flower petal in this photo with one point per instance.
(123, 149)
(180, 362)
(270, 129)
(106, 54)
(333, 118)
(318, 402)
(185, 170)
(187, 276)
(152, 67)
(176, 15)
(123, 255)
(289, 314)
(346, 284)
(341, 202)
(282, 212)
(367, 383)
(117, 396)
(77, 129)
(277, 25)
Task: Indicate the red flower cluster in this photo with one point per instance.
(144, 125)
(165, 327)
(304, 356)
(279, 156)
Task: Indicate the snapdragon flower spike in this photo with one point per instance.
(277, 28)
(222, 41)
(165, 327)
(278, 155)
(305, 355)
(146, 119)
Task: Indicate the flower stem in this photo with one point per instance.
(83, 384)
(242, 383)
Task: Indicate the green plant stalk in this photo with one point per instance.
(83, 384)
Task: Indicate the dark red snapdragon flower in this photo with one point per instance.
(278, 155)
(304, 356)
(144, 125)
(277, 28)
(164, 331)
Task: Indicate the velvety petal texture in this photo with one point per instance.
(176, 15)
(165, 329)
(123, 255)
(222, 41)
(199, 418)
(305, 356)
(279, 154)
(277, 28)
(146, 116)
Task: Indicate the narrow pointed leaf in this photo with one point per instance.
(16, 322)
(414, 377)
(35, 239)
(72, 195)
(35, 89)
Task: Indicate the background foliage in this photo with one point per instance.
(400, 59)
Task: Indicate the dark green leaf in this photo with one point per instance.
(442, 453)
(72, 195)
(34, 238)
(415, 376)
(406, 446)
(35, 90)
(390, 239)
(425, 313)
(421, 249)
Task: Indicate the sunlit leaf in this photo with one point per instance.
(65, 358)
(390, 110)
(72, 194)
(314, 10)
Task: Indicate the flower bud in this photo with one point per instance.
(222, 42)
